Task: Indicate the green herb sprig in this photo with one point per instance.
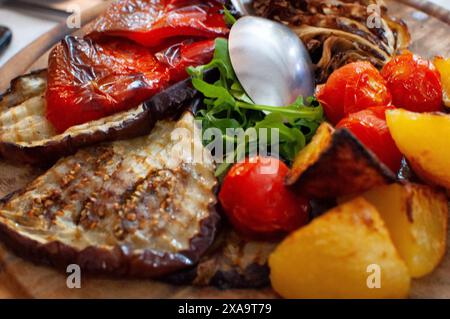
(228, 106)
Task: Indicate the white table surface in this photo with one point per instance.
(27, 26)
(444, 3)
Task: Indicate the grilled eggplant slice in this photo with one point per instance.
(140, 207)
(336, 164)
(26, 135)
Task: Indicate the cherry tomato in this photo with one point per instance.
(257, 202)
(370, 127)
(415, 83)
(352, 88)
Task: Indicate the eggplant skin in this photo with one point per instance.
(43, 149)
(124, 208)
(117, 262)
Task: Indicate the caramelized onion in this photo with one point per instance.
(338, 32)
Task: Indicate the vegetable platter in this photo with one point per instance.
(256, 251)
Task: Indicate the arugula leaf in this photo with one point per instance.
(229, 18)
(221, 60)
(214, 91)
(228, 106)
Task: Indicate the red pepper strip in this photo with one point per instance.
(151, 23)
(179, 56)
(87, 80)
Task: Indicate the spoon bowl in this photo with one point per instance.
(270, 61)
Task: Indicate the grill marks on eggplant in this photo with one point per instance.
(140, 207)
(26, 122)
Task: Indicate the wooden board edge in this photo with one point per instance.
(22, 61)
(429, 8)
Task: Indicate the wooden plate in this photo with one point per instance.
(430, 28)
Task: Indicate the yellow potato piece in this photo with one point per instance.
(424, 139)
(340, 255)
(443, 66)
(416, 216)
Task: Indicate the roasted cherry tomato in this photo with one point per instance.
(154, 22)
(87, 80)
(352, 88)
(257, 202)
(415, 83)
(370, 127)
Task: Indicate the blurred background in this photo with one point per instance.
(29, 19)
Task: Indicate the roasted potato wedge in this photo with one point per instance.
(423, 139)
(443, 66)
(336, 164)
(416, 216)
(335, 257)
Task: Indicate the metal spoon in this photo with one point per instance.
(244, 7)
(270, 61)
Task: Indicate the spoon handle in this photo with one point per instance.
(5, 38)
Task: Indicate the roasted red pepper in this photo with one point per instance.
(87, 80)
(101, 75)
(154, 22)
(181, 55)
